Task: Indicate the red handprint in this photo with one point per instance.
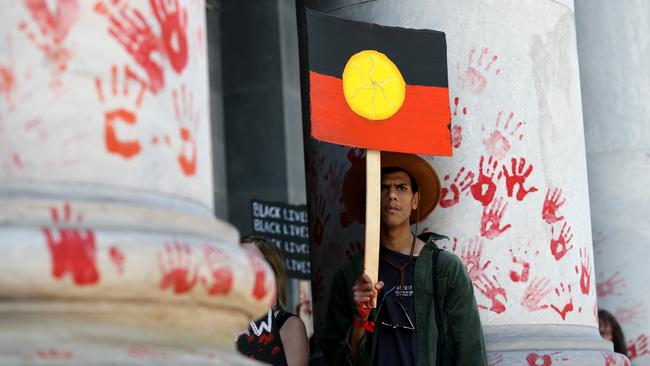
(117, 257)
(551, 205)
(559, 246)
(134, 33)
(535, 293)
(54, 354)
(355, 154)
(471, 257)
(491, 219)
(473, 79)
(457, 129)
(585, 271)
(189, 121)
(630, 314)
(353, 249)
(74, 251)
(484, 188)
(525, 268)
(455, 188)
(609, 286)
(177, 268)
(259, 288)
(173, 23)
(53, 29)
(538, 360)
(120, 108)
(494, 359)
(517, 177)
(490, 290)
(638, 347)
(610, 360)
(221, 280)
(567, 307)
(320, 221)
(498, 144)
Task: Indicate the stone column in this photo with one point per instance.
(515, 198)
(613, 48)
(110, 249)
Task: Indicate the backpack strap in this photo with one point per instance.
(438, 311)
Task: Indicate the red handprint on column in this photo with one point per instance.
(53, 28)
(638, 347)
(473, 79)
(535, 293)
(633, 313)
(320, 221)
(494, 359)
(120, 110)
(471, 257)
(177, 268)
(517, 177)
(498, 144)
(130, 28)
(490, 290)
(491, 219)
(221, 280)
(188, 120)
(521, 276)
(559, 246)
(450, 196)
(259, 288)
(117, 257)
(457, 129)
(610, 285)
(534, 359)
(564, 294)
(484, 188)
(585, 271)
(173, 24)
(551, 205)
(74, 251)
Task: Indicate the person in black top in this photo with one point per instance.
(266, 337)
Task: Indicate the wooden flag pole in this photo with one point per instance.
(373, 198)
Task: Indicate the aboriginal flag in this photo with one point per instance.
(357, 98)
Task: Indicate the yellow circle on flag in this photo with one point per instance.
(373, 86)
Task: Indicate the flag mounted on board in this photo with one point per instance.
(377, 87)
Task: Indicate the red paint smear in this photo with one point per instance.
(259, 288)
(74, 252)
(420, 126)
(187, 163)
(126, 148)
(54, 354)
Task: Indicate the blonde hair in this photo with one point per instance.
(274, 257)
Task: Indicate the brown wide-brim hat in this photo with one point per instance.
(354, 185)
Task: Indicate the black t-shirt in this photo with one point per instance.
(266, 346)
(396, 345)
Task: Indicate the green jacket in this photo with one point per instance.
(461, 322)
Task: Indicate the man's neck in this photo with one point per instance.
(398, 239)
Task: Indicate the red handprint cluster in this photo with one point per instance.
(131, 29)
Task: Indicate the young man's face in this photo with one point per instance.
(397, 199)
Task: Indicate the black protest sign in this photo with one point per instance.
(286, 226)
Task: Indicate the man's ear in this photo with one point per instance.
(415, 201)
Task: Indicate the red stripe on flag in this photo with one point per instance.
(421, 126)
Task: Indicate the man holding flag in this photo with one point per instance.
(401, 301)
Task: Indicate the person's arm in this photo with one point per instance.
(295, 342)
(463, 318)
